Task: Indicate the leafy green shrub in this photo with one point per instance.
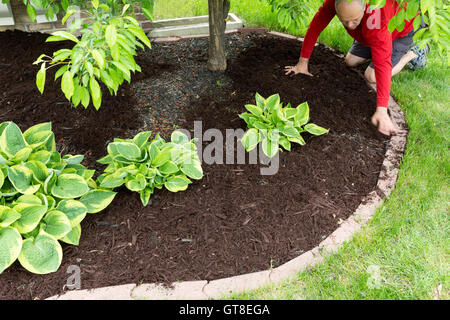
(268, 121)
(43, 198)
(105, 53)
(144, 165)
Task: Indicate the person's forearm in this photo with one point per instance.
(303, 61)
(321, 19)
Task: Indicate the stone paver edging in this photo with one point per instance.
(200, 290)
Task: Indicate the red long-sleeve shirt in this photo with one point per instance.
(372, 32)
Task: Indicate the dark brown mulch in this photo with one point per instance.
(234, 220)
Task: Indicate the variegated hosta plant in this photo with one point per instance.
(43, 198)
(144, 165)
(274, 125)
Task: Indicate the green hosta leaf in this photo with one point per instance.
(73, 237)
(30, 199)
(74, 210)
(41, 139)
(247, 117)
(12, 140)
(290, 112)
(145, 196)
(128, 150)
(50, 144)
(168, 168)
(10, 247)
(22, 155)
(299, 140)
(138, 183)
(193, 170)
(260, 125)
(97, 200)
(49, 201)
(57, 224)
(315, 129)
(69, 186)
(272, 103)
(290, 132)
(69, 170)
(141, 138)
(280, 114)
(269, 147)
(255, 110)
(8, 216)
(260, 101)
(41, 255)
(49, 182)
(177, 183)
(180, 156)
(70, 159)
(273, 134)
(302, 116)
(251, 139)
(30, 216)
(2, 178)
(4, 161)
(39, 170)
(123, 160)
(8, 190)
(111, 181)
(285, 143)
(92, 184)
(105, 160)
(179, 137)
(32, 136)
(161, 158)
(21, 178)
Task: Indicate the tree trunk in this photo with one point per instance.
(218, 12)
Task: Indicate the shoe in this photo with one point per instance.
(421, 60)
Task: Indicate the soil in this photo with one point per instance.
(234, 220)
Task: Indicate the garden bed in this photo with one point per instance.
(234, 220)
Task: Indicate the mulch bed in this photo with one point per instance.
(234, 220)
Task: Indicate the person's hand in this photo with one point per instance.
(301, 67)
(383, 122)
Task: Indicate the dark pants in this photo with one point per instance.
(400, 47)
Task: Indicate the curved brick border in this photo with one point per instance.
(200, 290)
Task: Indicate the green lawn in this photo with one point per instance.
(407, 241)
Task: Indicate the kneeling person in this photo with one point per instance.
(389, 52)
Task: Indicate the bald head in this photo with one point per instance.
(350, 12)
(360, 2)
